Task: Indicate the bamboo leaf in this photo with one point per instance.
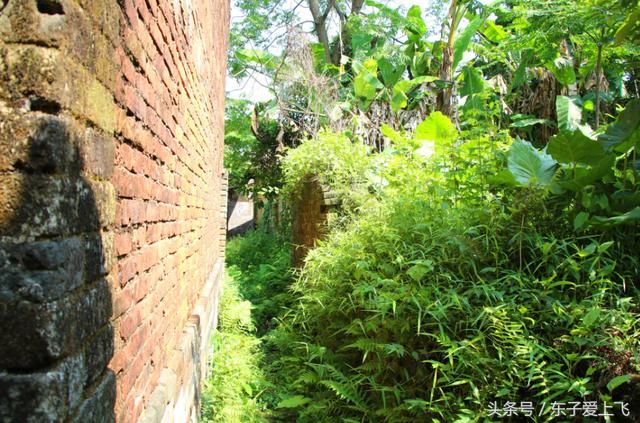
(617, 381)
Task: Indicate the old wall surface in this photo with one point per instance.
(240, 214)
(312, 210)
(112, 206)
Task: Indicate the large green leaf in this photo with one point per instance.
(437, 128)
(630, 28)
(474, 102)
(391, 69)
(591, 317)
(526, 122)
(562, 69)
(625, 132)
(632, 216)
(399, 100)
(569, 114)
(530, 166)
(260, 57)
(464, 39)
(293, 402)
(473, 81)
(366, 83)
(520, 75)
(361, 43)
(575, 147)
(399, 97)
(494, 32)
(580, 176)
(416, 27)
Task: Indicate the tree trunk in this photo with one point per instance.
(356, 6)
(598, 77)
(319, 25)
(445, 97)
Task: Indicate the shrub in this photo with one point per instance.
(434, 302)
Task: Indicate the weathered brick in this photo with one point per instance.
(97, 152)
(100, 255)
(98, 353)
(110, 148)
(50, 330)
(47, 74)
(123, 243)
(98, 407)
(40, 271)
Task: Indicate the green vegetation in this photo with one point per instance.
(254, 292)
(230, 393)
(489, 199)
(427, 307)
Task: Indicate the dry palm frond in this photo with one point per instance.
(538, 98)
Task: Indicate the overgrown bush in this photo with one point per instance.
(473, 272)
(260, 263)
(338, 161)
(255, 291)
(231, 393)
(449, 293)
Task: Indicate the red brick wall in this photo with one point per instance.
(136, 90)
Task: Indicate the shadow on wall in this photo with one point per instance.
(55, 302)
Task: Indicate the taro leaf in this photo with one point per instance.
(473, 81)
(569, 114)
(462, 42)
(293, 402)
(436, 127)
(625, 132)
(391, 69)
(575, 147)
(530, 166)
